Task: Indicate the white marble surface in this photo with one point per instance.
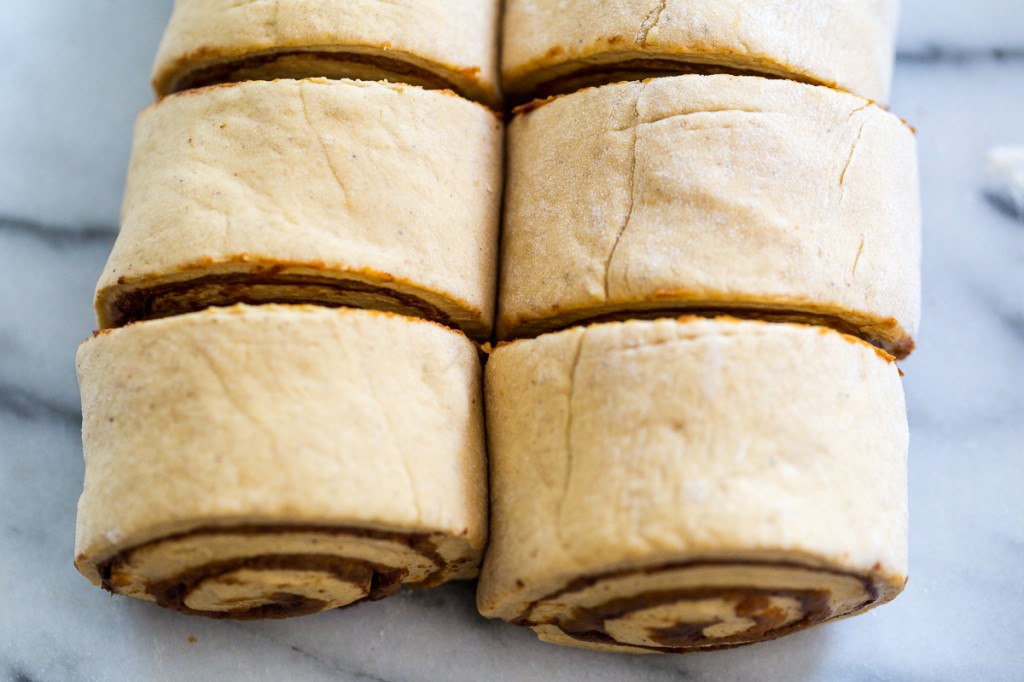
(72, 77)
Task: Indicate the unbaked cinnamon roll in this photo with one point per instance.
(692, 484)
(277, 461)
(331, 192)
(552, 47)
(451, 44)
(761, 198)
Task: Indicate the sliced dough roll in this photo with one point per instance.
(553, 47)
(761, 197)
(275, 461)
(316, 191)
(451, 44)
(692, 484)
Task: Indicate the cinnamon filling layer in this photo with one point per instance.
(586, 75)
(703, 617)
(180, 297)
(898, 346)
(312, 63)
(246, 588)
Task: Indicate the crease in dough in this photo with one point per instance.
(727, 482)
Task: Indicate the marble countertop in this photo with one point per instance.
(73, 75)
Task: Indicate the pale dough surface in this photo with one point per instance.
(623, 449)
(277, 416)
(844, 44)
(391, 185)
(712, 191)
(455, 40)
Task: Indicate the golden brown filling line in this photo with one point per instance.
(899, 349)
(172, 593)
(312, 63)
(384, 581)
(588, 624)
(182, 297)
(595, 75)
(269, 66)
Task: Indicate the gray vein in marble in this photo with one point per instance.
(56, 234)
(1010, 319)
(46, 307)
(352, 675)
(1004, 205)
(1005, 183)
(322, 662)
(942, 54)
(28, 405)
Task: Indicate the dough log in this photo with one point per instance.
(692, 484)
(755, 197)
(554, 47)
(277, 461)
(339, 193)
(451, 44)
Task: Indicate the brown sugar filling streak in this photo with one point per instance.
(588, 624)
(331, 64)
(384, 581)
(899, 348)
(595, 75)
(150, 302)
(177, 298)
(319, 63)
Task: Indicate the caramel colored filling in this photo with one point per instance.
(698, 606)
(312, 63)
(264, 572)
(586, 75)
(140, 303)
(895, 343)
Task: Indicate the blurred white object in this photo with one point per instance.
(946, 28)
(1006, 178)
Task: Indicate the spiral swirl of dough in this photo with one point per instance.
(262, 462)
